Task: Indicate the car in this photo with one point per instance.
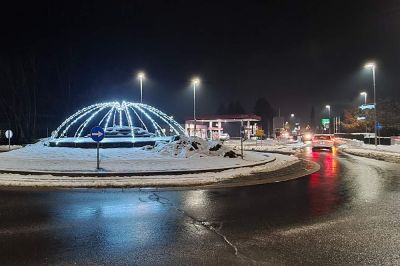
(224, 136)
(322, 141)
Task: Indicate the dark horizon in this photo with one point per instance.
(297, 55)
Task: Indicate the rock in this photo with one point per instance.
(230, 154)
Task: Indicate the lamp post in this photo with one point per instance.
(329, 112)
(365, 96)
(195, 82)
(141, 78)
(372, 66)
(365, 103)
(292, 121)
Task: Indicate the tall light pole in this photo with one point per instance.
(372, 65)
(365, 96)
(292, 121)
(329, 111)
(195, 82)
(141, 78)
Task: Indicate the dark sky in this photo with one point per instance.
(296, 53)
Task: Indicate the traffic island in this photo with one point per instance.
(275, 169)
(185, 162)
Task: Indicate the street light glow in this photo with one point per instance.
(363, 93)
(141, 75)
(195, 81)
(292, 115)
(328, 106)
(370, 65)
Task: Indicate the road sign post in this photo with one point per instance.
(9, 135)
(97, 135)
(241, 138)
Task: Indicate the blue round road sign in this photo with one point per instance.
(97, 134)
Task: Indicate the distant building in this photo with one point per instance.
(278, 122)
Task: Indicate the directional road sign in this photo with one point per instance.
(97, 134)
(9, 134)
(367, 106)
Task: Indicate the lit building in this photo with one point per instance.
(212, 126)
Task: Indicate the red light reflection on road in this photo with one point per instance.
(323, 190)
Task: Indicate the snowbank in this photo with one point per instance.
(381, 152)
(282, 162)
(268, 145)
(186, 147)
(177, 156)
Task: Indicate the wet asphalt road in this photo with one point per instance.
(347, 213)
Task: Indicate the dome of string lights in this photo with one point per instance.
(126, 124)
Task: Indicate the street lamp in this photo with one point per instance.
(365, 96)
(292, 115)
(365, 103)
(329, 111)
(195, 82)
(372, 66)
(141, 77)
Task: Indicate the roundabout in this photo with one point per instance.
(140, 146)
(169, 165)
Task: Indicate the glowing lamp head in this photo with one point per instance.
(195, 81)
(292, 115)
(328, 107)
(141, 75)
(370, 65)
(363, 93)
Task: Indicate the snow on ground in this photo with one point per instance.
(268, 145)
(5, 148)
(390, 153)
(177, 156)
(282, 161)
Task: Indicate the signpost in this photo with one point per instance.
(97, 135)
(9, 135)
(242, 134)
(325, 123)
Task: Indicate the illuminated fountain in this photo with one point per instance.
(126, 124)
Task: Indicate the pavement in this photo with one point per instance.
(345, 214)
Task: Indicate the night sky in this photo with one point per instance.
(296, 53)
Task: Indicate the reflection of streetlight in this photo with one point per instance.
(195, 82)
(372, 66)
(329, 111)
(365, 96)
(141, 78)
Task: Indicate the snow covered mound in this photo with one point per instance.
(187, 147)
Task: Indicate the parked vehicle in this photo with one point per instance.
(224, 136)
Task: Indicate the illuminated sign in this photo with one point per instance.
(367, 106)
(325, 121)
(361, 118)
